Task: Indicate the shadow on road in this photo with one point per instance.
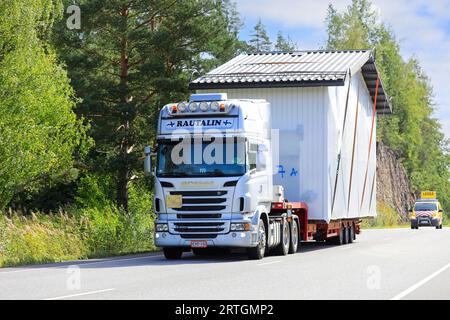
(157, 259)
(189, 258)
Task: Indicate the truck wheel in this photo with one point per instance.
(294, 237)
(339, 240)
(173, 253)
(351, 233)
(258, 252)
(283, 248)
(346, 235)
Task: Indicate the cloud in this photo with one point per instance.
(422, 26)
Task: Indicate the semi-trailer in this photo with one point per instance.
(284, 153)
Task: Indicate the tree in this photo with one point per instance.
(259, 40)
(40, 134)
(410, 131)
(283, 44)
(132, 57)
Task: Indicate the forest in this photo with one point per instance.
(78, 103)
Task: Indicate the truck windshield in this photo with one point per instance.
(201, 159)
(425, 207)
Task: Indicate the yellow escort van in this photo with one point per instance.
(427, 211)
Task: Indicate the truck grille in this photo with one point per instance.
(200, 227)
(198, 201)
(203, 214)
(199, 216)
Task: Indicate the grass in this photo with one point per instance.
(78, 233)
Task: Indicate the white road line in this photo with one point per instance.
(79, 263)
(387, 239)
(420, 283)
(80, 294)
(267, 263)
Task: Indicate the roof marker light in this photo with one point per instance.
(204, 106)
(173, 109)
(193, 106)
(182, 107)
(222, 107)
(214, 106)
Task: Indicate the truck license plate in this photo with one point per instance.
(199, 244)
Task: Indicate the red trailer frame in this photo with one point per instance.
(314, 230)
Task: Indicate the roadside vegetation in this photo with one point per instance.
(77, 106)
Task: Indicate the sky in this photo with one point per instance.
(421, 26)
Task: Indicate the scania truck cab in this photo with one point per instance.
(427, 211)
(213, 179)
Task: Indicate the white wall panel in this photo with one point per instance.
(310, 121)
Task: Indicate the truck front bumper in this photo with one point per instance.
(425, 221)
(238, 239)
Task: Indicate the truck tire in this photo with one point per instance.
(339, 240)
(346, 235)
(283, 248)
(294, 237)
(173, 253)
(351, 233)
(258, 252)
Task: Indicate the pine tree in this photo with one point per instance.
(132, 57)
(284, 44)
(260, 41)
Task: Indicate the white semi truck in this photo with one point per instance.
(262, 171)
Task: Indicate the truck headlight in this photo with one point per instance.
(162, 227)
(241, 226)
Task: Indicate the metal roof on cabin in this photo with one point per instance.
(295, 69)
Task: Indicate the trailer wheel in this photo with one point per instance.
(173, 253)
(339, 240)
(346, 235)
(258, 252)
(351, 233)
(294, 237)
(283, 248)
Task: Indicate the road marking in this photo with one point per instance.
(80, 294)
(387, 239)
(80, 263)
(267, 263)
(420, 283)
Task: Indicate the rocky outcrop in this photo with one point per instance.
(393, 187)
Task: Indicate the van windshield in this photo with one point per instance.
(425, 207)
(217, 157)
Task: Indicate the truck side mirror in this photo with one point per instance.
(261, 157)
(261, 161)
(441, 210)
(147, 160)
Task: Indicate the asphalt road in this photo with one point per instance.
(381, 264)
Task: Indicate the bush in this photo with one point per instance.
(386, 217)
(79, 231)
(39, 239)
